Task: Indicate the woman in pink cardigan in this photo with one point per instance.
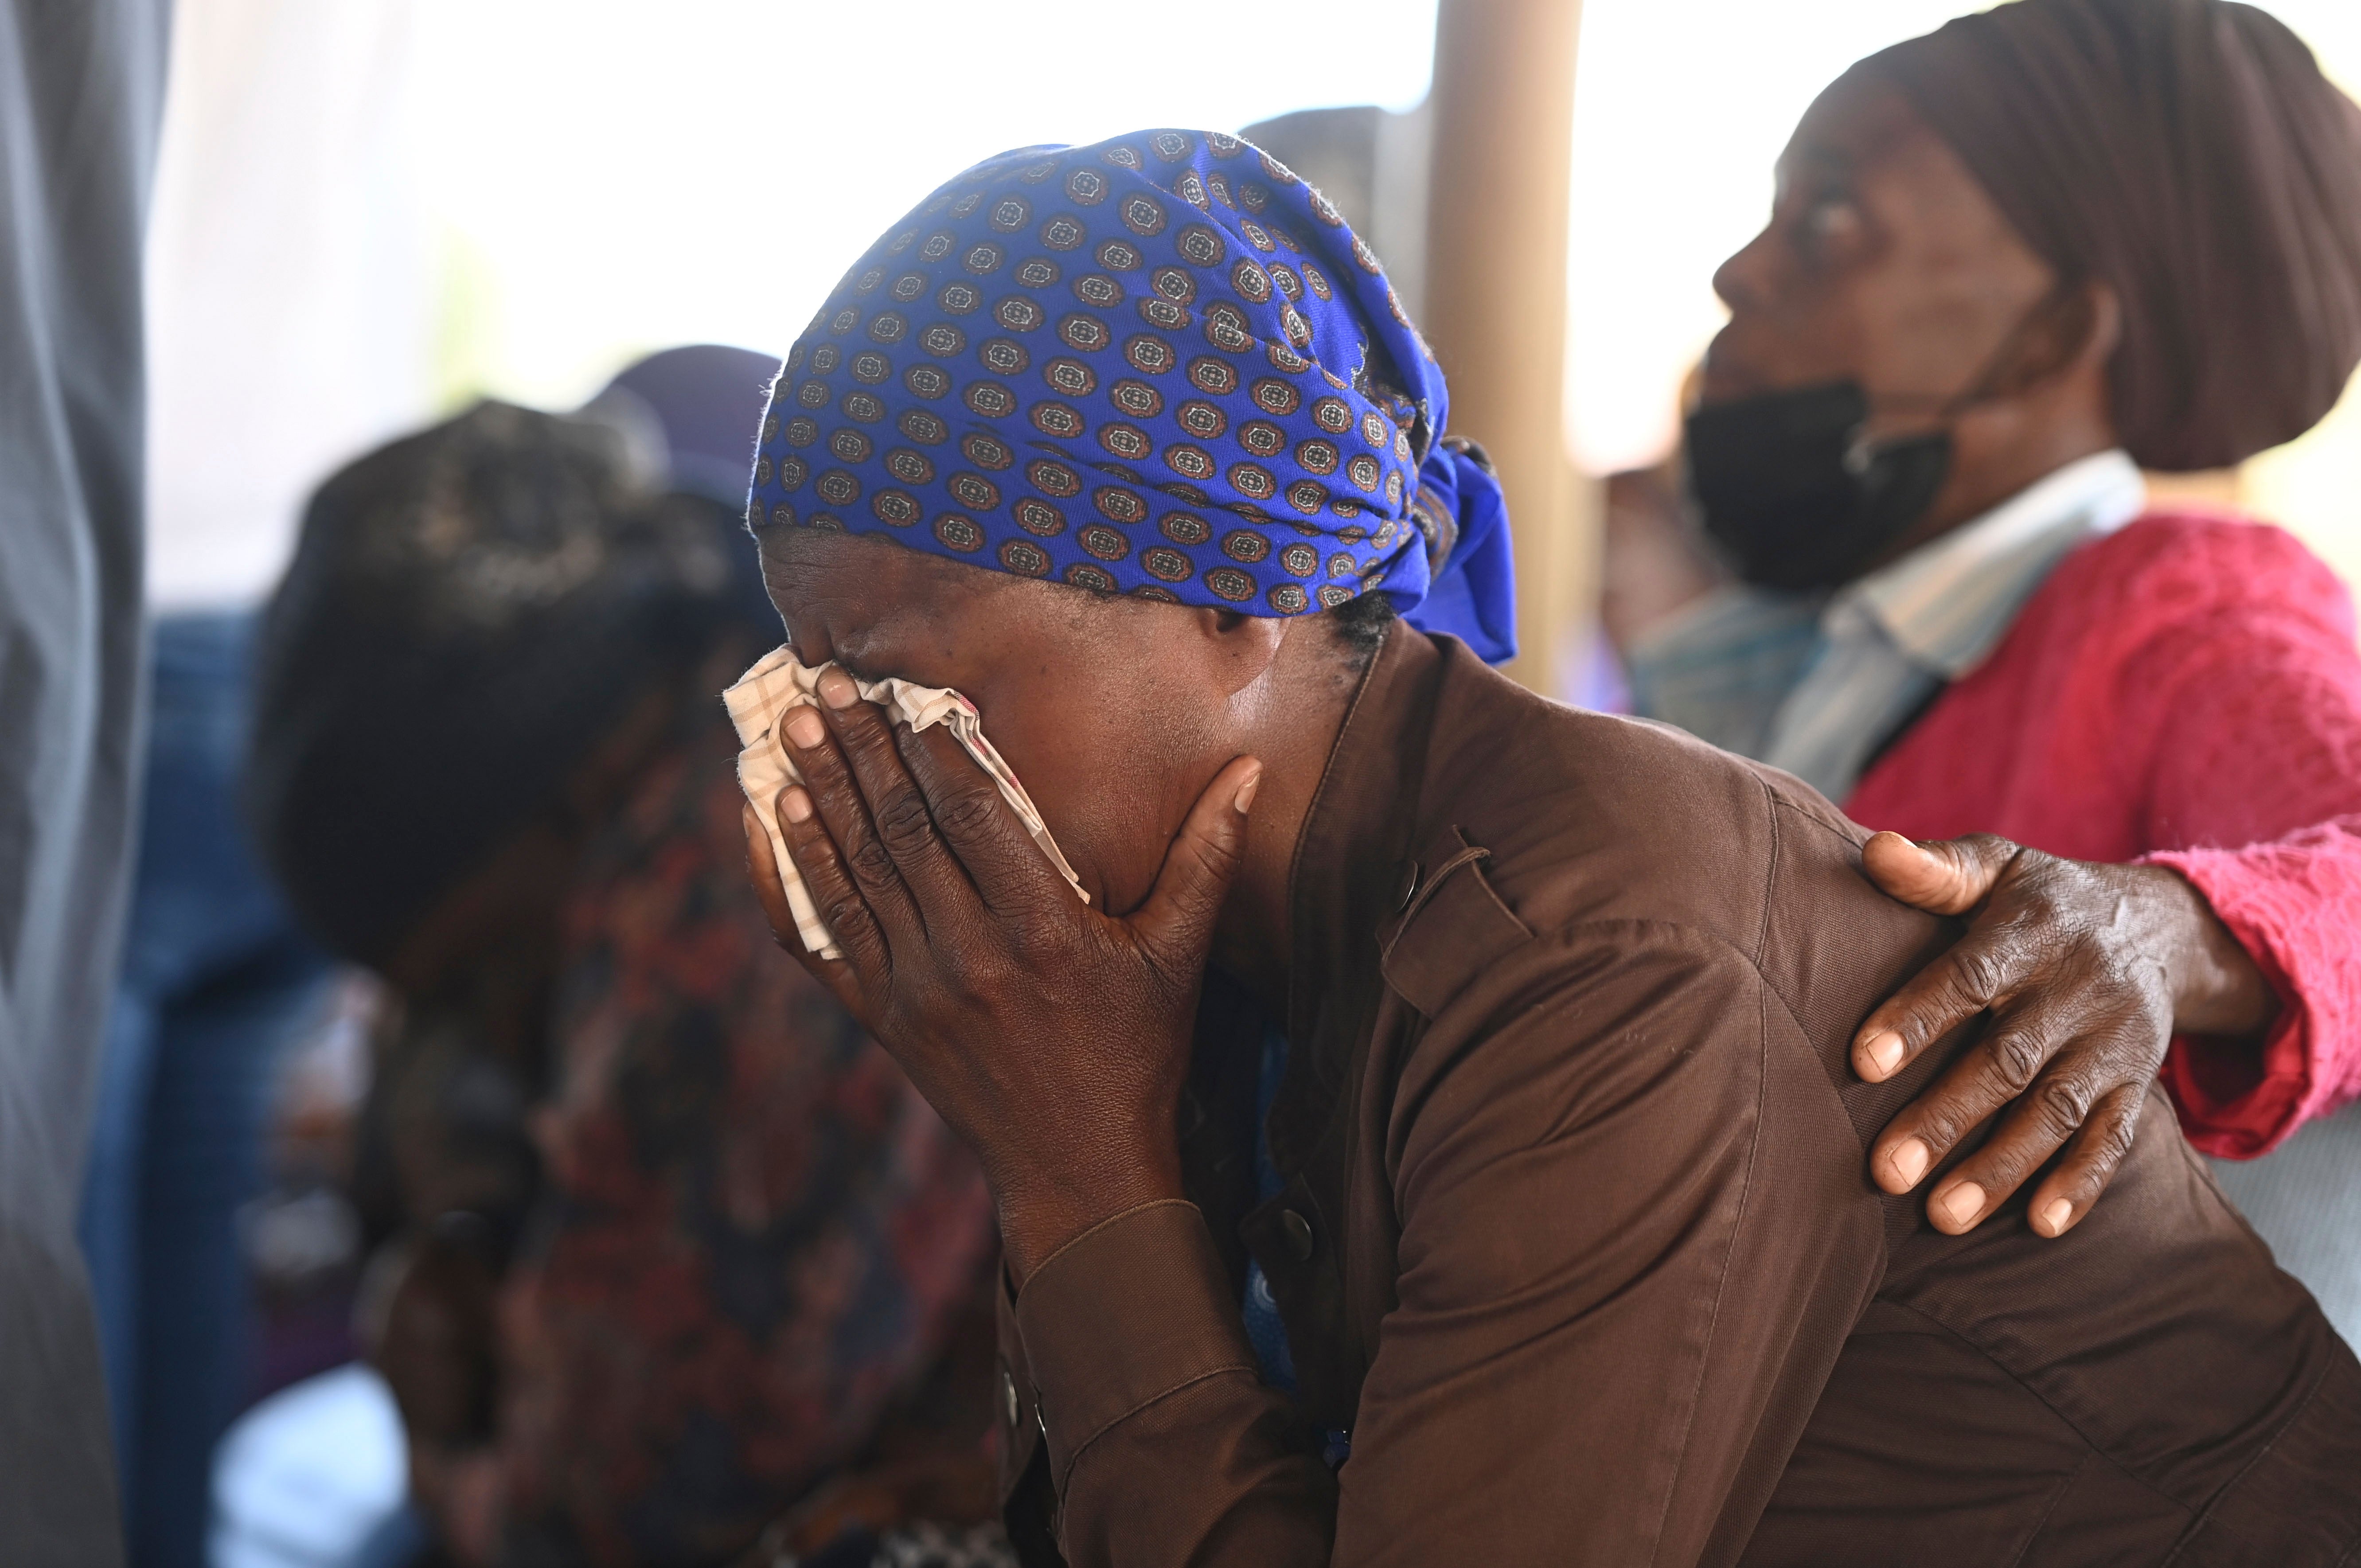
(2011, 264)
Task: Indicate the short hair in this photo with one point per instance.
(469, 610)
(1360, 623)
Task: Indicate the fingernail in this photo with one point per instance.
(1884, 1052)
(836, 689)
(2056, 1215)
(795, 804)
(1244, 800)
(805, 728)
(1962, 1203)
(1909, 1162)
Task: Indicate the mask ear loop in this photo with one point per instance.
(1860, 450)
(2002, 361)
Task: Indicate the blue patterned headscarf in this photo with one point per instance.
(1162, 365)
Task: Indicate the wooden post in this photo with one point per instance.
(1495, 293)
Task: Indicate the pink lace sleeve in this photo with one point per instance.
(2295, 904)
(2250, 686)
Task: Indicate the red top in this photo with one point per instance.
(2184, 692)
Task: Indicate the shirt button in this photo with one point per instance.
(1298, 1232)
(1008, 1395)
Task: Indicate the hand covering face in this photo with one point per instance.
(780, 683)
(2190, 155)
(1160, 365)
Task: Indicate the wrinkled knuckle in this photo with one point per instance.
(822, 771)
(871, 863)
(864, 949)
(1940, 1120)
(2063, 1100)
(843, 909)
(1988, 968)
(902, 822)
(1936, 1011)
(2004, 854)
(1941, 1124)
(849, 923)
(866, 731)
(2022, 865)
(968, 814)
(2118, 1132)
(2017, 1057)
(2108, 1151)
(2003, 1164)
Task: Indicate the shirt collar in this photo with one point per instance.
(1947, 603)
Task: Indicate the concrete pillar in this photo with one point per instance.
(1496, 292)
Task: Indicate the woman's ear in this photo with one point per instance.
(2077, 332)
(2106, 336)
(1245, 646)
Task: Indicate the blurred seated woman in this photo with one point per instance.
(2011, 264)
(672, 1244)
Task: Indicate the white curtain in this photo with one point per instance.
(291, 278)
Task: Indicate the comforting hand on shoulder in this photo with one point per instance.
(2088, 971)
(1052, 1037)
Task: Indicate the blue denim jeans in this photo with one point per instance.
(215, 982)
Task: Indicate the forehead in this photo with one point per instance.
(1863, 138)
(809, 568)
(1864, 131)
(872, 598)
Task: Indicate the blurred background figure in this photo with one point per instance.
(667, 1242)
(217, 982)
(253, 284)
(2011, 264)
(80, 94)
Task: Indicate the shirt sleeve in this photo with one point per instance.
(2254, 794)
(1603, 1345)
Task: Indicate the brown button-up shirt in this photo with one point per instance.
(1577, 1238)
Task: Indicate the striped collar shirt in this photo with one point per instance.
(1817, 685)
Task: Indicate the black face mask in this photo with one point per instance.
(1793, 497)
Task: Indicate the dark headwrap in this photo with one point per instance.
(707, 400)
(2189, 154)
(1160, 365)
(469, 610)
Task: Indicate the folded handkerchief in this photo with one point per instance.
(762, 700)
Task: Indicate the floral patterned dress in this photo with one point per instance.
(752, 1237)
